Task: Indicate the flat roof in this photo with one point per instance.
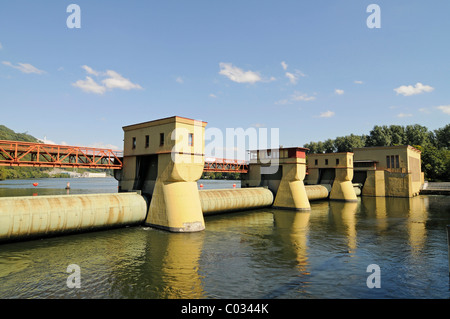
(325, 154)
(386, 148)
(281, 148)
(163, 121)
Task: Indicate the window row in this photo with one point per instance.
(162, 140)
(316, 161)
(392, 161)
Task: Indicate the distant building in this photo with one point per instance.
(91, 175)
(391, 171)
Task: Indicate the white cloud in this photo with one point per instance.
(212, 95)
(358, 82)
(424, 110)
(327, 114)
(103, 145)
(24, 67)
(284, 65)
(89, 70)
(301, 97)
(90, 86)
(258, 125)
(404, 115)
(297, 96)
(117, 81)
(444, 108)
(238, 75)
(179, 80)
(113, 81)
(339, 92)
(1, 46)
(413, 90)
(292, 78)
(45, 141)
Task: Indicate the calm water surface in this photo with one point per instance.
(254, 254)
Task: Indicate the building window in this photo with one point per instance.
(191, 139)
(397, 161)
(337, 161)
(147, 141)
(316, 162)
(161, 139)
(133, 145)
(326, 162)
(392, 161)
(388, 161)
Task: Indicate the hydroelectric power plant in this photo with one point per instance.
(158, 174)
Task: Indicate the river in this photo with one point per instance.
(265, 253)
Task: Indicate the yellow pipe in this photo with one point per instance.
(315, 192)
(31, 216)
(226, 200)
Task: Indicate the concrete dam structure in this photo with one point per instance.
(157, 183)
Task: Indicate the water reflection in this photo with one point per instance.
(269, 253)
(295, 228)
(344, 218)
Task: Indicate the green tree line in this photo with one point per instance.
(220, 175)
(434, 145)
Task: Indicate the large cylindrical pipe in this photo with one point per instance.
(31, 216)
(316, 192)
(226, 200)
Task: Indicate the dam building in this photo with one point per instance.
(161, 164)
(393, 171)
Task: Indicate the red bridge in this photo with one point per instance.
(16, 153)
(225, 165)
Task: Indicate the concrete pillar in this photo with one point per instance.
(165, 159)
(291, 193)
(342, 186)
(175, 203)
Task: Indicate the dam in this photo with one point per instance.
(157, 178)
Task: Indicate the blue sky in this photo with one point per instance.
(313, 69)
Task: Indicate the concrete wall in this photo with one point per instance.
(397, 171)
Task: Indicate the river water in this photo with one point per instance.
(265, 253)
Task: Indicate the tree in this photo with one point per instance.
(328, 146)
(417, 135)
(442, 137)
(379, 136)
(435, 163)
(349, 142)
(2, 174)
(398, 135)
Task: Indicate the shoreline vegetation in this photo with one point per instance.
(434, 145)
